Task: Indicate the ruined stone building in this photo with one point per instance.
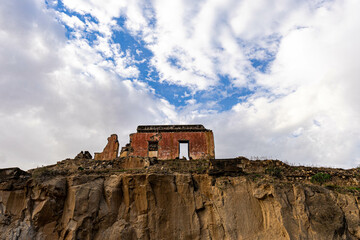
(111, 149)
(170, 142)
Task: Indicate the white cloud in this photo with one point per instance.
(59, 96)
(314, 80)
(308, 108)
(72, 21)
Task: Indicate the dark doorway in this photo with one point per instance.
(153, 149)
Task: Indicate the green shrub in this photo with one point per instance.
(320, 178)
(273, 171)
(255, 176)
(353, 189)
(201, 170)
(41, 172)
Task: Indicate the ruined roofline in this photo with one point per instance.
(171, 128)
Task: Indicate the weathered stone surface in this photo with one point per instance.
(13, 178)
(111, 149)
(163, 142)
(83, 155)
(225, 167)
(175, 206)
(7, 174)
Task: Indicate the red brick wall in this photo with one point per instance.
(201, 144)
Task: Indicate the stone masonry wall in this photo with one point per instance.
(201, 144)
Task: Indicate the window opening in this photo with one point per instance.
(153, 146)
(153, 149)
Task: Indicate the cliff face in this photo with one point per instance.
(172, 206)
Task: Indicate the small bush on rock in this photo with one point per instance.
(320, 178)
(273, 171)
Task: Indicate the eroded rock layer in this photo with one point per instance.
(172, 206)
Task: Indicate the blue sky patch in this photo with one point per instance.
(90, 36)
(224, 93)
(260, 65)
(174, 62)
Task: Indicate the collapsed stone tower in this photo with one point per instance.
(111, 149)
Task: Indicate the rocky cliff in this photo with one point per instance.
(102, 200)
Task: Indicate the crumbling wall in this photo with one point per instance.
(201, 144)
(111, 149)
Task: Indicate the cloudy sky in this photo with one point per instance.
(272, 78)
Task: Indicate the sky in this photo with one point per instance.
(272, 79)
